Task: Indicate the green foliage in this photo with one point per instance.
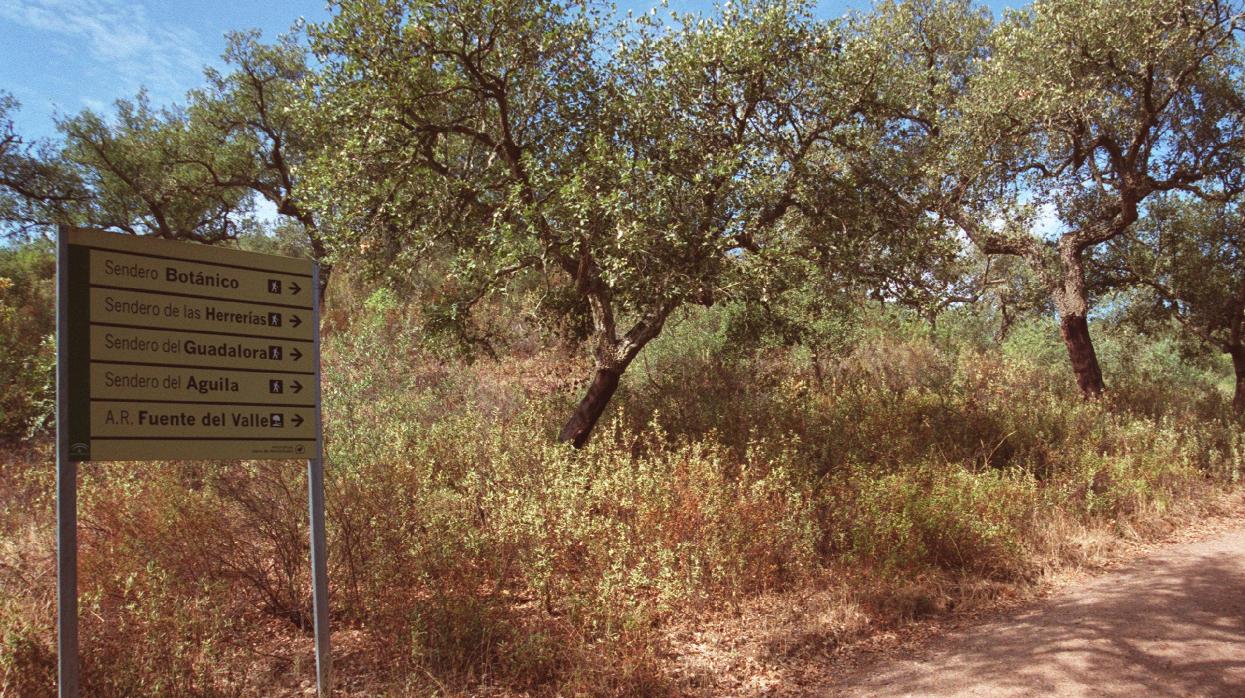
(36, 186)
(419, 128)
(1098, 90)
(909, 459)
(941, 516)
(246, 131)
(1186, 262)
(834, 386)
(137, 173)
(660, 165)
(286, 239)
(469, 551)
(1035, 341)
(27, 346)
(10, 145)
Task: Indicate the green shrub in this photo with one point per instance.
(27, 344)
(469, 552)
(940, 516)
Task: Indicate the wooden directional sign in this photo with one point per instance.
(184, 351)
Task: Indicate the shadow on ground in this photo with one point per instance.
(1173, 624)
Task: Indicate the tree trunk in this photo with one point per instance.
(1238, 365)
(613, 354)
(1075, 331)
(590, 409)
(319, 253)
(1005, 323)
(1072, 304)
(326, 270)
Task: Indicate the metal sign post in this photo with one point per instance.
(169, 350)
(315, 506)
(66, 495)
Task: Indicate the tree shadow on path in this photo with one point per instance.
(1173, 624)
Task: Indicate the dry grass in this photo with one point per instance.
(806, 640)
(738, 523)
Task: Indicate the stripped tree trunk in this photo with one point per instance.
(1072, 304)
(1075, 332)
(1238, 366)
(613, 354)
(579, 427)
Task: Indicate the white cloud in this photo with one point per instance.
(119, 38)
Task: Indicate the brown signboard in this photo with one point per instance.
(185, 351)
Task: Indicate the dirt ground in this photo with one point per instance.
(1169, 623)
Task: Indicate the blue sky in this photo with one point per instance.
(59, 57)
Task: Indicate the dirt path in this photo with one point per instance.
(1170, 624)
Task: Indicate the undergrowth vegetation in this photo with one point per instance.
(639, 321)
(470, 552)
